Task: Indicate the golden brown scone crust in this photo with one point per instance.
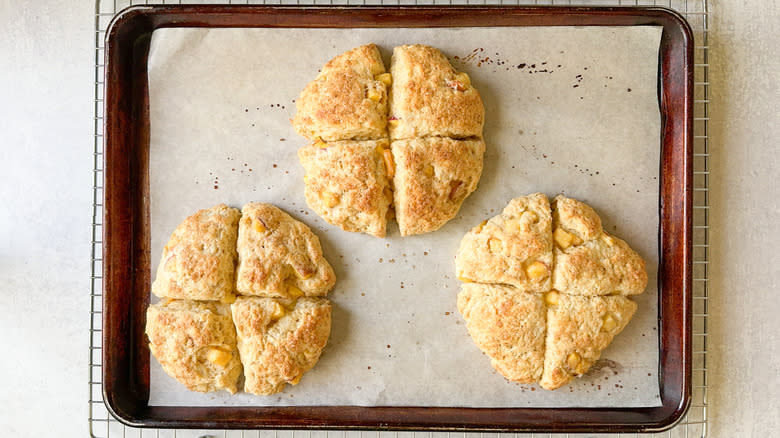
(577, 334)
(279, 341)
(346, 184)
(588, 263)
(433, 176)
(430, 98)
(508, 326)
(337, 105)
(276, 252)
(502, 250)
(195, 342)
(349, 101)
(595, 263)
(199, 260)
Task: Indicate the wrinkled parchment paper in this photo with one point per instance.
(568, 110)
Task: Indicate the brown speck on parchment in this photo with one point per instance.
(605, 363)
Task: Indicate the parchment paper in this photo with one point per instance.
(568, 110)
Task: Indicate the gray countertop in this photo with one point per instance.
(46, 129)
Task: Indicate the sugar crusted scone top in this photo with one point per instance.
(433, 176)
(195, 342)
(279, 340)
(430, 98)
(279, 256)
(513, 248)
(198, 262)
(346, 184)
(578, 329)
(508, 326)
(347, 100)
(589, 261)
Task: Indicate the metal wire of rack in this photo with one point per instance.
(694, 424)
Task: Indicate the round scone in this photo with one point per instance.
(279, 340)
(347, 100)
(434, 158)
(195, 342)
(279, 256)
(198, 262)
(527, 285)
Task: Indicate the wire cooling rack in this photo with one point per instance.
(694, 424)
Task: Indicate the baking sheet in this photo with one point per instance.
(570, 110)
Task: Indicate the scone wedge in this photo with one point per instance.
(513, 248)
(578, 330)
(508, 326)
(588, 261)
(430, 98)
(195, 342)
(199, 260)
(432, 178)
(279, 340)
(279, 256)
(346, 184)
(347, 100)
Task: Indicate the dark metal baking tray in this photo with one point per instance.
(126, 229)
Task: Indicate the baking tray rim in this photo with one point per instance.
(123, 384)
